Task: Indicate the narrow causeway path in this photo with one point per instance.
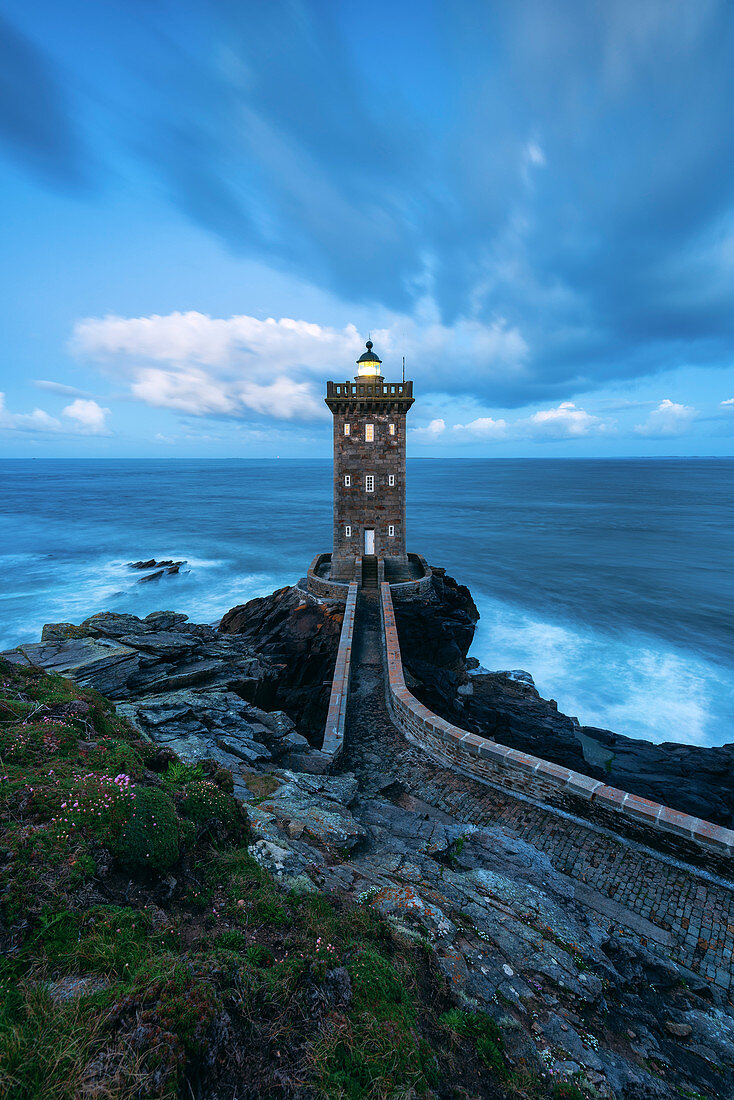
(685, 911)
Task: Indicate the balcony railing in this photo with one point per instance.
(369, 391)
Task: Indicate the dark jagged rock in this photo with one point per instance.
(435, 635)
(299, 635)
(152, 577)
(166, 567)
(277, 653)
(183, 684)
(166, 563)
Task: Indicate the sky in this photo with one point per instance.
(206, 206)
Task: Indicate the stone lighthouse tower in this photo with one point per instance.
(369, 466)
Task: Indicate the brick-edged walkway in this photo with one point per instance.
(694, 913)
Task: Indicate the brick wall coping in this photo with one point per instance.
(336, 715)
(418, 723)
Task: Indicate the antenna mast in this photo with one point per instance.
(403, 368)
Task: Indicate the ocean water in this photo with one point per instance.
(610, 581)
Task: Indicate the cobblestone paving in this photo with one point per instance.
(696, 911)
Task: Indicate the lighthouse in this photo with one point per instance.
(369, 466)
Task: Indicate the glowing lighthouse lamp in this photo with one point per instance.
(368, 365)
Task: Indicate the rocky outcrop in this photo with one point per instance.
(477, 918)
(299, 635)
(278, 653)
(185, 685)
(575, 991)
(435, 636)
(167, 567)
(576, 998)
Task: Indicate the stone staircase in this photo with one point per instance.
(369, 571)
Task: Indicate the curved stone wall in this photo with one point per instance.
(413, 590)
(328, 589)
(322, 586)
(535, 778)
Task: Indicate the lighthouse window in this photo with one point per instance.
(369, 483)
(347, 480)
(347, 429)
(347, 532)
(369, 433)
(392, 429)
(391, 531)
(391, 479)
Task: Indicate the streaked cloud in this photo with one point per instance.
(36, 117)
(528, 207)
(60, 388)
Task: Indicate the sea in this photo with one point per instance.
(610, 581)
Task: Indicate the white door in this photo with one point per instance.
(369, 542)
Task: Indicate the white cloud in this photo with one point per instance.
(80, 418)
(234, 342)
(668, 419)
(484, 427)
(566, 421)
(89, 416)
(37, 421)
(728, 404)
(430, 432)
(242, 366)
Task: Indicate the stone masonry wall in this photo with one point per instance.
(539, 779)
(335, 718)
(324, 587)
(355, 457)
(412, 590)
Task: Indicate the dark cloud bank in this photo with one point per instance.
(568, 168)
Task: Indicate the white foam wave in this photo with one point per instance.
(636, 685)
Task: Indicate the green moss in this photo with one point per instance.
(231, 941)
(485, 1034)
(378, 987)
(257, 955)
(206, 804)
(149, 837)
(116, 757)
(268, 910)
(224, 779)
(183, 1001)
(564, 1090)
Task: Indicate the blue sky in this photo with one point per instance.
(206, 206)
